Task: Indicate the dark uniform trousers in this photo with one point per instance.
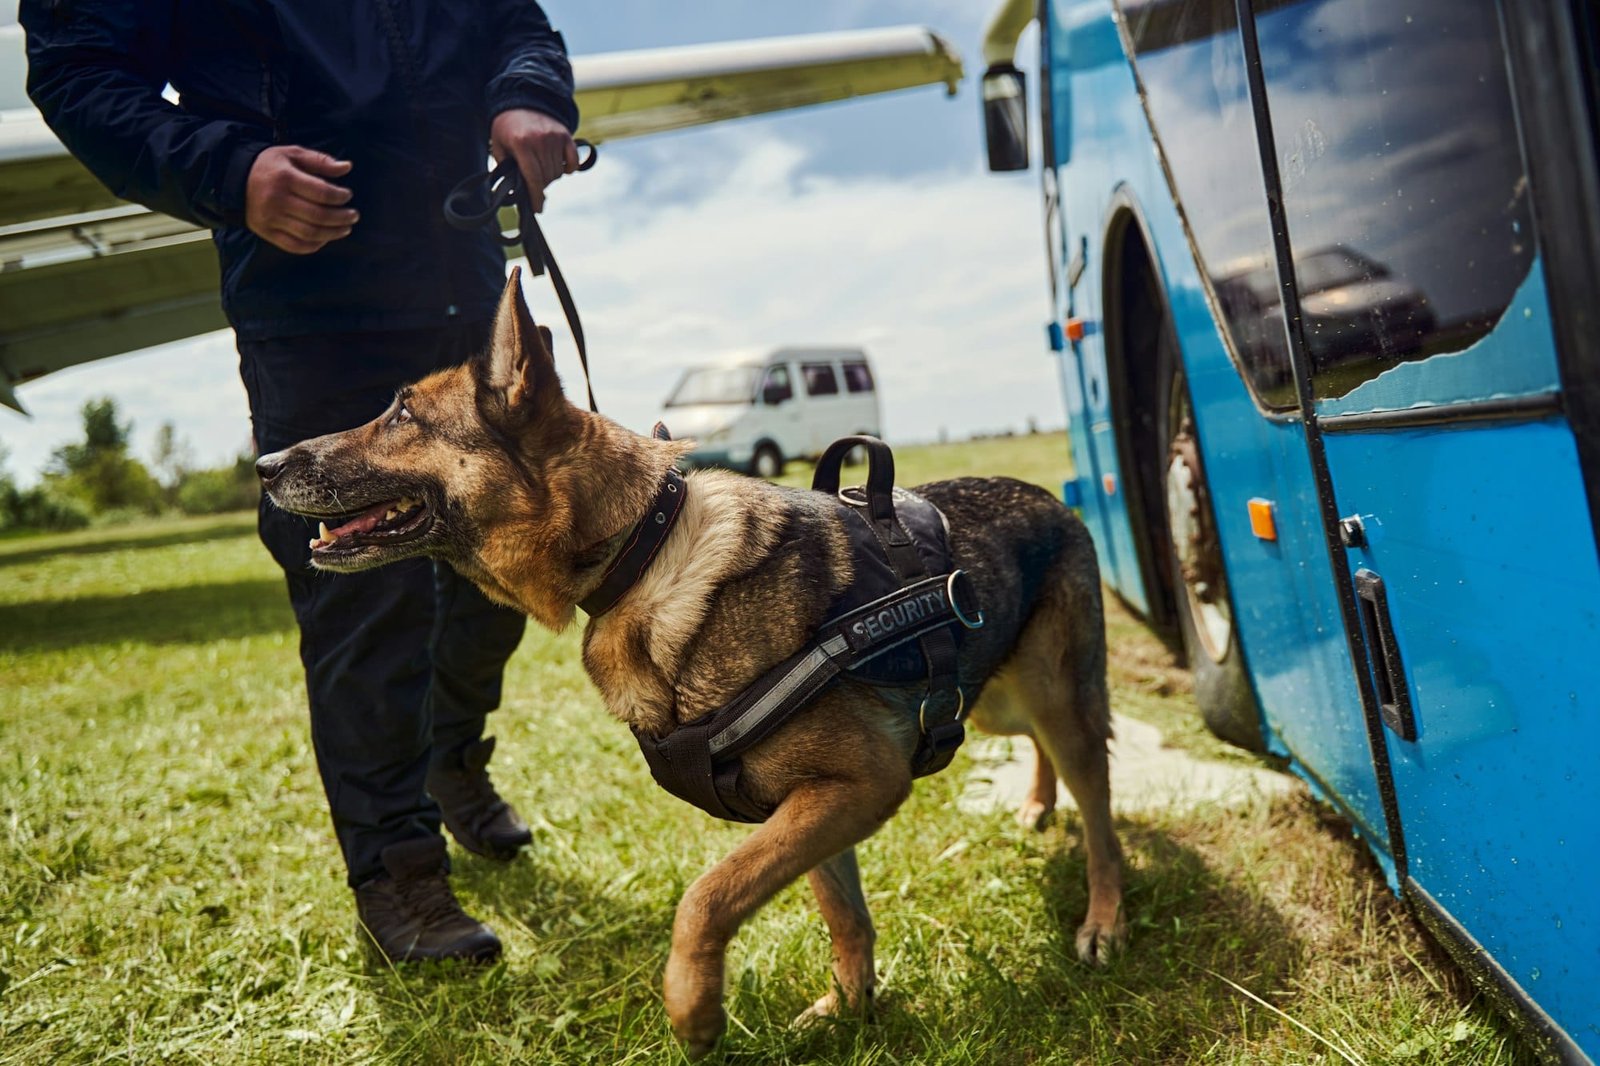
(402, 662)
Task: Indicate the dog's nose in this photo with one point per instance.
(268, 467)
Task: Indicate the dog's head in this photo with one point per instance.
(485, 466)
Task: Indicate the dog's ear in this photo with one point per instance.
(520, 365)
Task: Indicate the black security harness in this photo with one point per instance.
(897, 627)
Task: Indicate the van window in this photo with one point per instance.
(777, 387)
(857, 377)
(820, 379)
(715, 384)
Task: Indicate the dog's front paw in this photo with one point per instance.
(699, 1037)
(1034, 815)
(1098, 941)
(693, 996)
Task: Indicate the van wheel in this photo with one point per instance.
(1222, 686)
(767, 461)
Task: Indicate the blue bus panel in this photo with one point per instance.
(1419, 303)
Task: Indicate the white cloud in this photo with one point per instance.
(940, 276)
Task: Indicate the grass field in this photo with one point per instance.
(170, 891)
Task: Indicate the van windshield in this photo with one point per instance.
(716, 384)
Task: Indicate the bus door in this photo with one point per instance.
(1227, 317)
(1427, 329)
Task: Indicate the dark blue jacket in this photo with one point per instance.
(404, 89)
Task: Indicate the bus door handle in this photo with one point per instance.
(1383, 656)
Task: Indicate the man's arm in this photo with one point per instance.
(529, 98)
(96, 69)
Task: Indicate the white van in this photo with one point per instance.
(755, 414)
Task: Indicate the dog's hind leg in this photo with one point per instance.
(1081, 758)
(819, 819)
(1041, 802)
(837, 884)
(1058, 674)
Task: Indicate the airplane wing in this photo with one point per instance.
(84, 276)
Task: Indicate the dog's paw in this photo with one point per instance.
(1034, 815)
(834, 1005)
(826, 1007)
(699, 1035)
(1098, 941)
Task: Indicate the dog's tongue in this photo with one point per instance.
(364, 522)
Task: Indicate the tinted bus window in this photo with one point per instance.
(1403, 182)
(857, 377)
(1190, 59)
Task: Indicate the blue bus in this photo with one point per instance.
(1325, 293)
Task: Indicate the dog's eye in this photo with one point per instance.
(401, 417)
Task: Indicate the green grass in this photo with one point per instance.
(170, 891)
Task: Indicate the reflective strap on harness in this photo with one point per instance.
(784, 689)
(844, 643)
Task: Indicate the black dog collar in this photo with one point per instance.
(646, 539)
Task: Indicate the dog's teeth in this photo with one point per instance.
(390, 513)
(322, 532)
(312, 543)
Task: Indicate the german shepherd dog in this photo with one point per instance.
(488, 467)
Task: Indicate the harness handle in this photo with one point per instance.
(880, 473)
(503, 186)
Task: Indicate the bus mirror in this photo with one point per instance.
(1005, 117)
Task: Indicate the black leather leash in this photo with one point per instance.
(496, 189)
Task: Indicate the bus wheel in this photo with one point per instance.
(1200, 581)
(767, 461)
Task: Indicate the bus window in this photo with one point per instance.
(1403, 184)
(1190, 60)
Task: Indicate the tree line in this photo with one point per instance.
(97, 480)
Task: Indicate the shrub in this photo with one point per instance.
(41, 507)
(224, 488)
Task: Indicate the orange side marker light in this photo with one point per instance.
(1075, 329)
(1262, 522)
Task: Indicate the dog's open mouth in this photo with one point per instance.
(392, 522)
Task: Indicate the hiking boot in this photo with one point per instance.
(410, 913)
(476, 816)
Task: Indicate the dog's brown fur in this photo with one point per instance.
(530, 497)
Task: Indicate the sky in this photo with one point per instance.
(871, 222)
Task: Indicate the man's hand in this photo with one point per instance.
(541, 146)
(288, 203)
